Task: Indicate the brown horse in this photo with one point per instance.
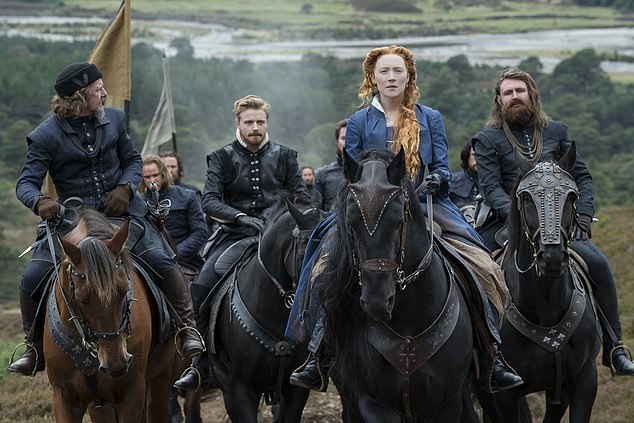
(99, 346)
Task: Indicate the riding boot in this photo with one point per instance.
(196, 375)
(495, 373)
(618, 358)
(32, 360)
(309, 375)
(175, 289)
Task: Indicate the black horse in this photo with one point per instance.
(251, 360)
(550, 333)
(397, 325)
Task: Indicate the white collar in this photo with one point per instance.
(245, 145)
(377, 104)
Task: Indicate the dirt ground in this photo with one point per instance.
(322, 407)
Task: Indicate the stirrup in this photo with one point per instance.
(195, 370)
(37, 355)
(180, 353)
(616, 346)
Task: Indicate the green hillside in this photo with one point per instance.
(328, 19)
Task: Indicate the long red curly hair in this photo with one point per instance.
(407, 130)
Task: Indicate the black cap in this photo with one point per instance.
(76, 76)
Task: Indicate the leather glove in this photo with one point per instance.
(250, 221)
(584, 227)
(47, 208)
(117, 201)
(432, 183)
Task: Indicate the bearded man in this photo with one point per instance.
(517, 125)
(245, 178)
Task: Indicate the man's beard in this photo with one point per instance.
(518, 114)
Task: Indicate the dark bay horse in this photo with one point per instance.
(98, 346)
(397, 326)
(251, 359)
(550, 333)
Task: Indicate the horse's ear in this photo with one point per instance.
(522, 164)
(351, 169)
(71, 250)
(569, 159)
(396, 169)
(294, 211)
(117, 242)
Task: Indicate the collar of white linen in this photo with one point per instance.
(245, 145)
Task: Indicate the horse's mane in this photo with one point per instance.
(513, 219)
(100, 270)
(275, 211)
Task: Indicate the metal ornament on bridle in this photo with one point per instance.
(549, 186)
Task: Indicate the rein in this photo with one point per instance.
(287, 295)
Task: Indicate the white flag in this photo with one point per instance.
(162, 129)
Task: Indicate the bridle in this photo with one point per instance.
(90, 337)
(288, 296)
(549, 187)
(388, 265)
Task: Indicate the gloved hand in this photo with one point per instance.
(584, 227)
(118, 200)
(250, 221)
(47, 208)
(432, 183)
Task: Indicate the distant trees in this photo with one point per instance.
(624, 5)
(394, 6)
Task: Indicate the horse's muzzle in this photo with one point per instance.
(119, 371)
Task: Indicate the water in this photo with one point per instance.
(213, 40)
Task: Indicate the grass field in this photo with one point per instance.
(337, 18)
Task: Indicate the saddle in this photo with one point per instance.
(232, 254)
(474, 294)
(211, 304)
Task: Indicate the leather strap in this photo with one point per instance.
(552, 338)
(405, 353)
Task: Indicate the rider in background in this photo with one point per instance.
(308, 177)
(185, 222)
(174, 165)
(464, 187)
(88, 153)
(329, 178)
(518, 125)
(394, 120)
(244, 179)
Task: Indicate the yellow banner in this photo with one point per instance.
(112, 56)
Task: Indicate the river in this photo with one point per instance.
(213, 40)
